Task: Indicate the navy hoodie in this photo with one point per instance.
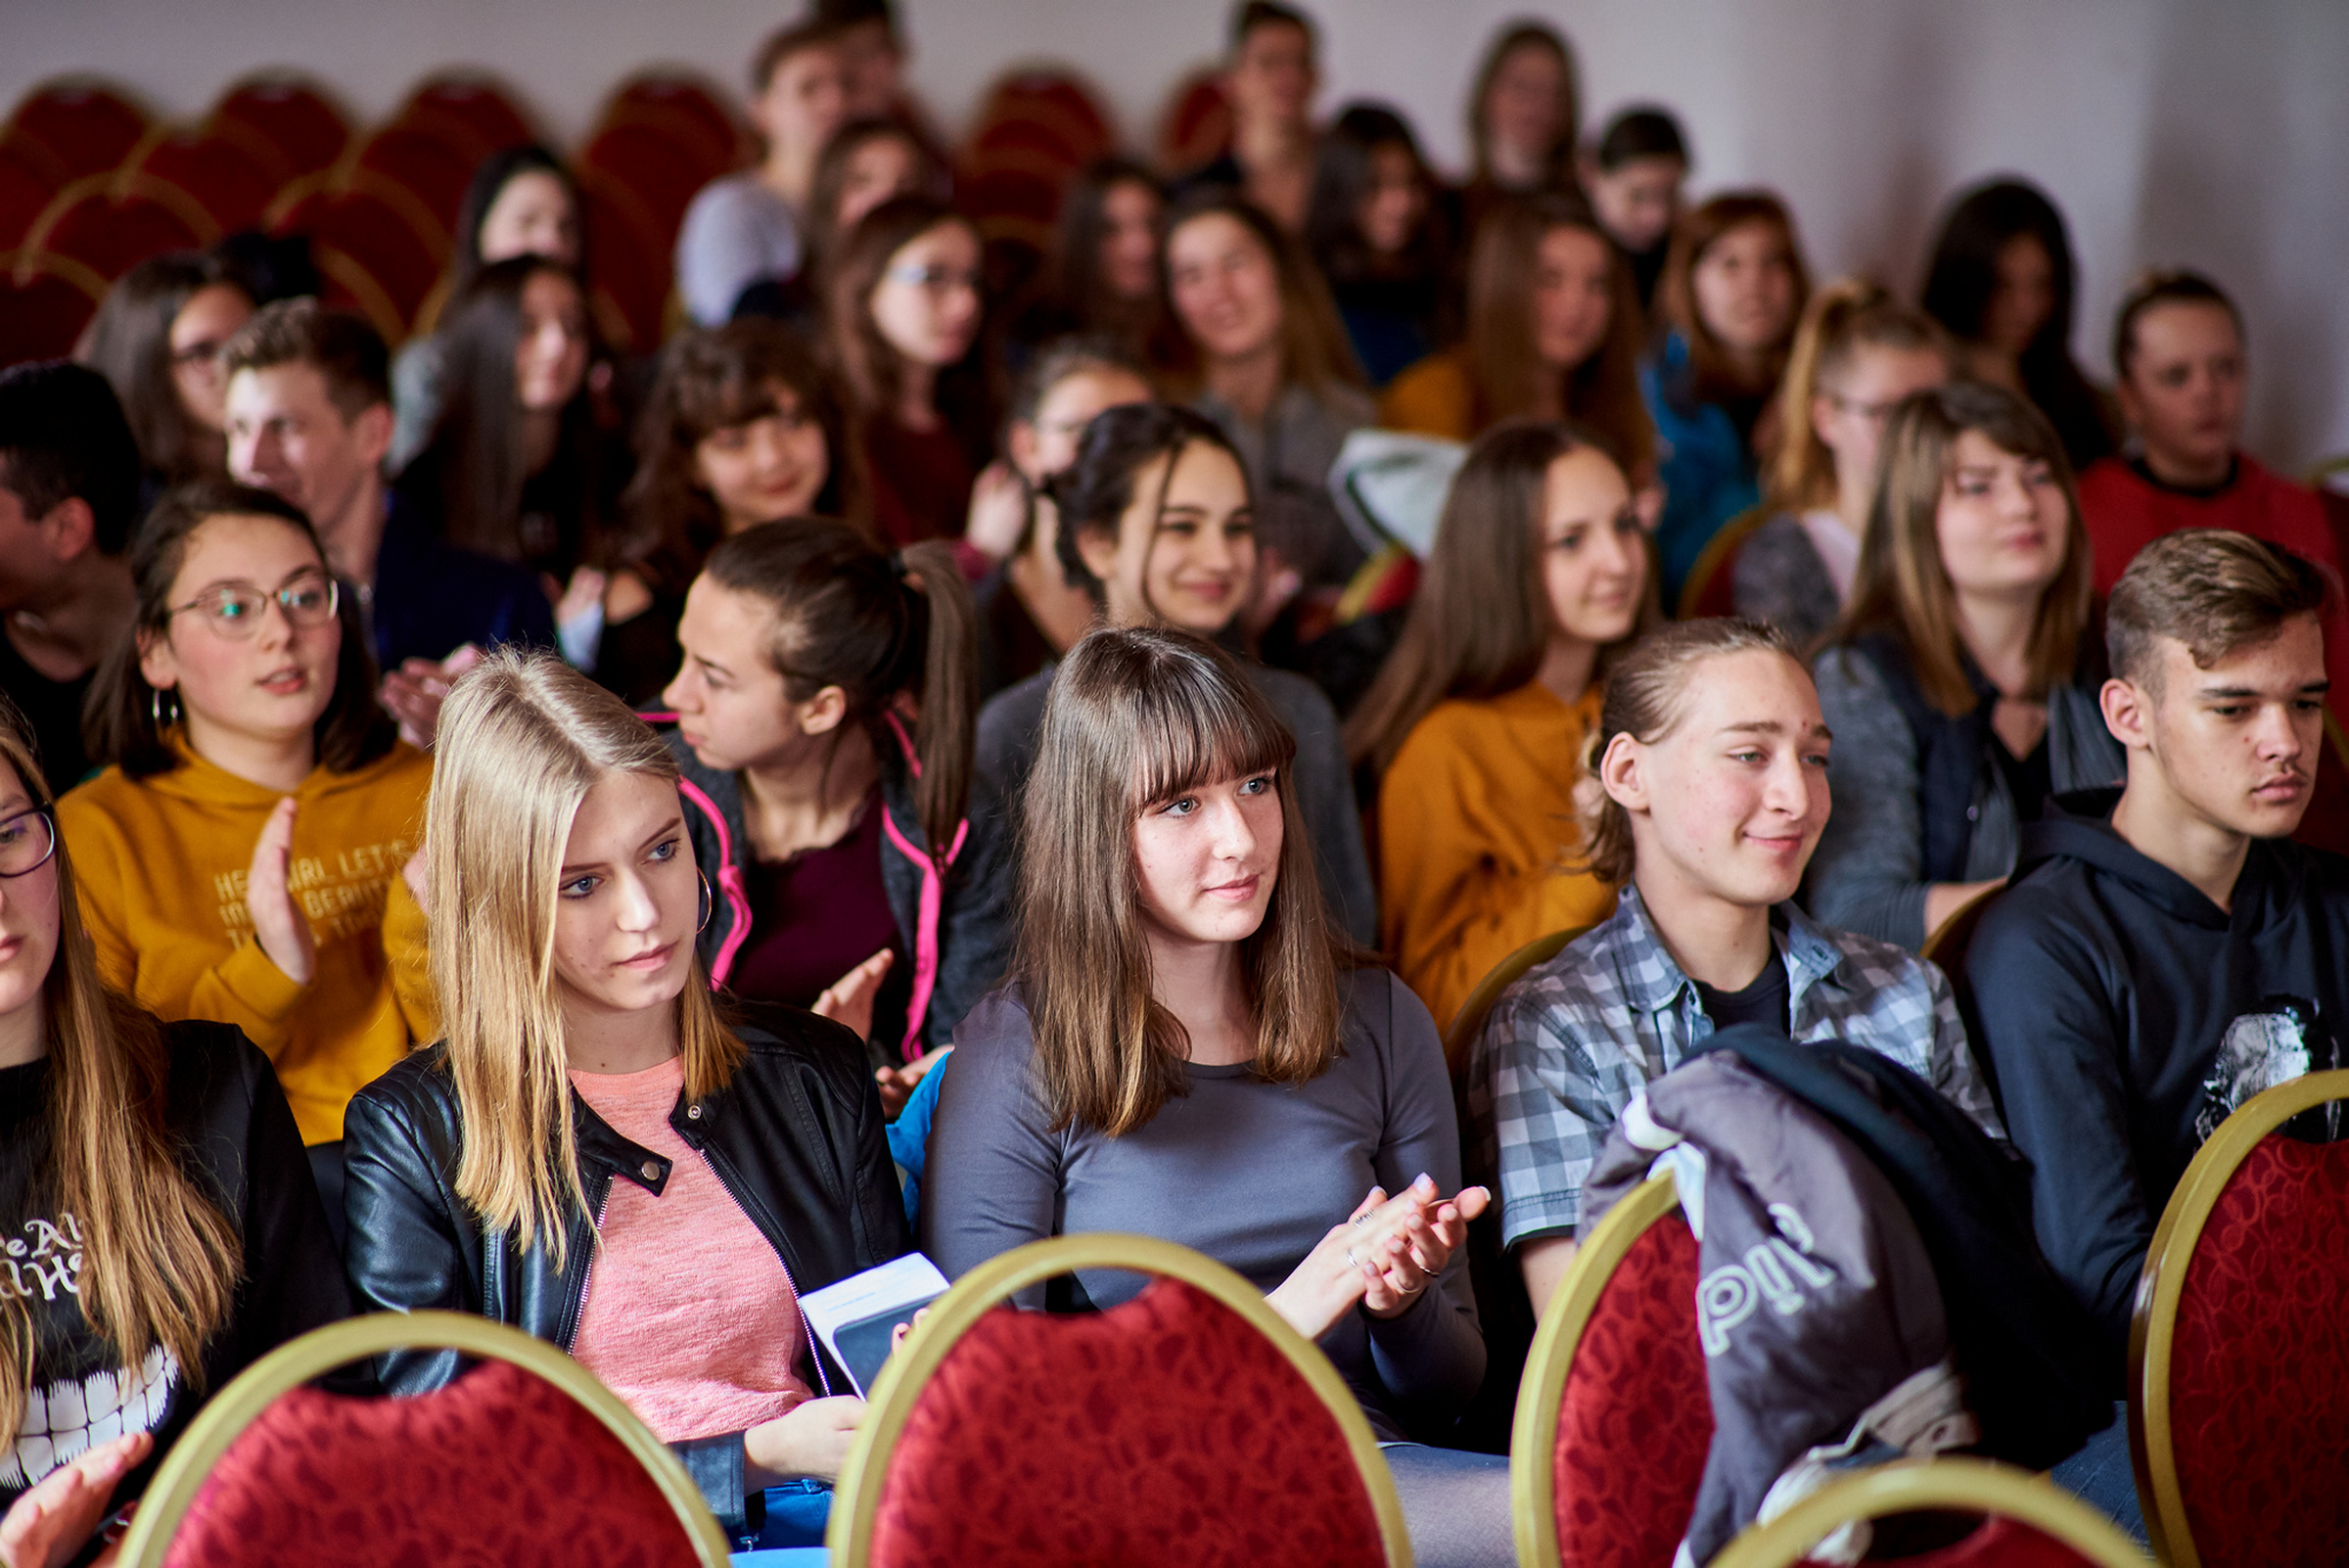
(2126, 1015)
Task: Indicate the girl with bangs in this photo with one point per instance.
(1185, 1050)
(595, 1153)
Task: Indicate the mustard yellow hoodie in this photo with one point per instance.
(162, 865)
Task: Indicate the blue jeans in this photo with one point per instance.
(2101, 1476)
(795, 1515)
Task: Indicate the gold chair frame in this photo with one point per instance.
(857, 1503)
(2153, 1324)
(1952, 1485)
(1534, 1438)
(1469, 1022)
(229, 1412)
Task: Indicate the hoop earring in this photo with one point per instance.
(155, 709)
(706, 903)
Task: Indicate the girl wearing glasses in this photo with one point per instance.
(156, 1232)
(905, 312)
(241, 857)
(1856, 354)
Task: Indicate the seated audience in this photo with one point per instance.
(239, 857)
(158, 337)
(1713, 756)
(851, 872)
(1029, 611)
(1633, 175)
(2002, 282)
(2179, 354)
(905, 309)
(522, 202)
(1188, 1051)
(1103, 278)
(1475, 732)
(1371, 224)
(742, 427)
(1157, 523)
(1252, 340)
(162, 1230)
(1732, 290)
(873, 53)
(2165, 954)
(68, 498)
(1269, 79)
(526, 461)
(749, 226)
(1524, 113)
(1962, 680)
(309, 416)
(1553, 333)
(529, 1166)
(1857, 353)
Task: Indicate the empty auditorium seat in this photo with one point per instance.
(44, 303)
(230, 171)
(653, 163)
(679, 100)
(477, 103)
(369, 242)
(423, 164)
(292, 116)
(111, 222)
(29, 179)
(86, 125)
(629, 257)
(1196, 127)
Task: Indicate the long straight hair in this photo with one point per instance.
(1844, 317)
(1481, 619)
(1314, 351)
(1138, 716)
(1527, 34)
(1504, 371)
(867, 365)
(160, 1262)
(130, 344)
(1713, 372)
(1078, 286)
(523, 738)
(1900, 588)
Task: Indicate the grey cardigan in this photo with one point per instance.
(1868, 873)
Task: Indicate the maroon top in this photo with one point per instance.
(816, 916)
(921, 481)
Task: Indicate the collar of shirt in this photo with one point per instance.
(1654, 982)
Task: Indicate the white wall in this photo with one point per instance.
(2206, 133)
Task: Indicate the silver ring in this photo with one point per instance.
(1359, 1219)
(1352, 1260)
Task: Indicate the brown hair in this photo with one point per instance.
(129, 343)
(159, 1262)
(865, 363)
(1646, 694)
(817, 32)
(1713, 373)
(1844, 317)
(1900, 588)
(2160, 287)
(1314, 351)
(1138, 716)
(1503, 368)
(849, 614)
(1527, 34)
(340, 345)
(2212, 589)
(831, 177)
(1481, 619)
(119, 722)
(715, 379)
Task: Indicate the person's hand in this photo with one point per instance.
(1276, 584)
(414, 692)
(1345, 1262)
(53, 1520)
(999, 515)
(418, 875)
(584, 592)
(1648, 506)
(849, 998)
(897, 1084)
(899, 1335)
(1429, 1234)
(809, 1439)
(278, 922)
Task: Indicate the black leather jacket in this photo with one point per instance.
(796, 1139)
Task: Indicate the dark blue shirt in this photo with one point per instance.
(431, 597)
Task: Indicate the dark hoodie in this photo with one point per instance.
(2126, 1015)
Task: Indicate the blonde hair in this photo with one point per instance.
(1844, 317)
(523, 738)
(159, 1260)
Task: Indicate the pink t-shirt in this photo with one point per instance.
(689, 1316)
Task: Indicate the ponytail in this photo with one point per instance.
(944, 734)
(1845, 316)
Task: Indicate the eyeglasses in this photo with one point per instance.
(1876, 413)
(937, 280)
(27, 840)
(205, 351)
(308, 601)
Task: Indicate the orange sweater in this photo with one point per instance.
(1433, 397)
(1474, 819)
(161, 863)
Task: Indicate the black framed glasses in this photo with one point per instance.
(235, 611)
(27, 840)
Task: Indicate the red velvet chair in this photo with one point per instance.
(230, 171)
(690, 108)
(628, 263)
(524, 1460)
(1190, 1426)
(298, 118)
(415, 158)
(111, 222)
(1613, 1416)
(656, 167)
(86, 125)
(2027, 1522)
(44, 303)
(473, 105)
(2238, 1352)
(29, 179)
(1712, 586)
(1059, 102)
(1196, 127)
(369, 243)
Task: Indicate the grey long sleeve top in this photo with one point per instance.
(1250, 1173)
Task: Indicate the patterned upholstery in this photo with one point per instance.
(1998, 1544)
(1165, 1431)
(2259, 1370)
(500, 1468)
(1636, 1420)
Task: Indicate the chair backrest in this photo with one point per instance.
(1614, 1419)
(1195, 127)
(1946, 947)
(1189, 1426)
(2028, 1521)
(526, 1459)
(1469, 1021)
(111, 222)
(2238, 1352)
(291, 113)
(85, 123)
(1711, 587)
(45, 300)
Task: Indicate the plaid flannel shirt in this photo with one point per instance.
(1566, 1046)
